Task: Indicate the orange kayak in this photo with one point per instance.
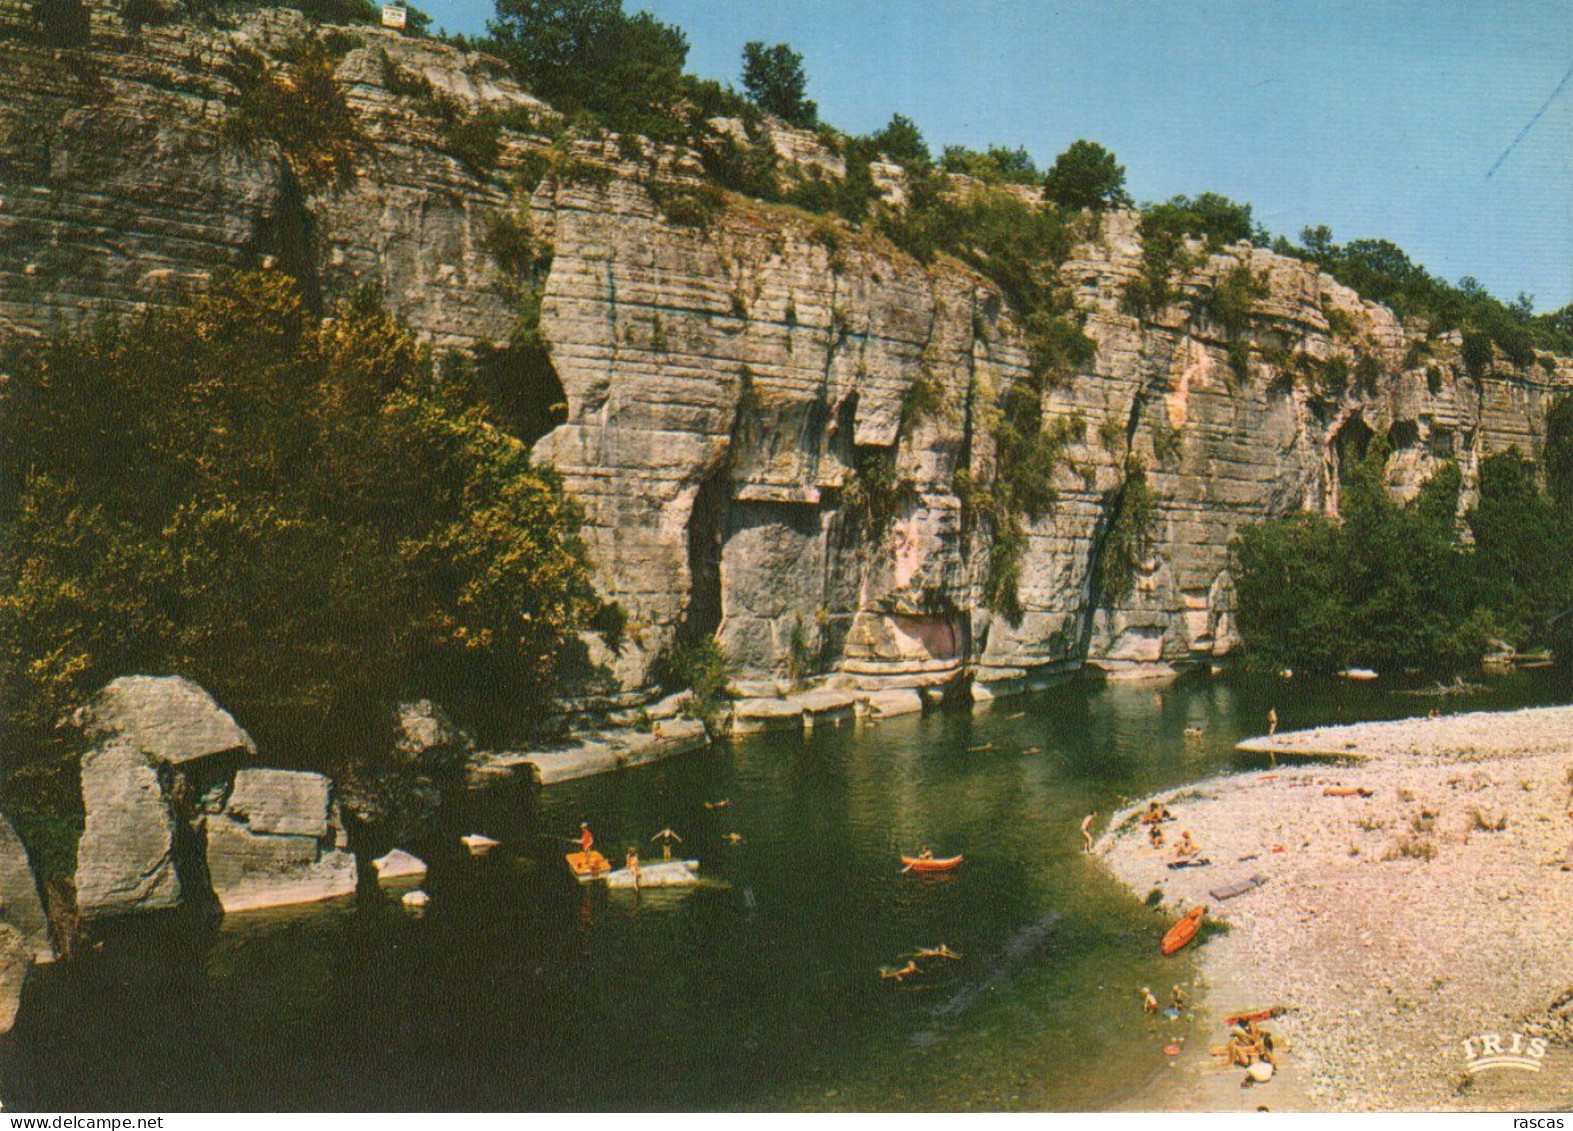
(918, 864)
(1184, 931)
(587, 864)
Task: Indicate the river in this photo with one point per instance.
(518, 989)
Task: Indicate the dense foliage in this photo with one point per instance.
(997, 164)
(1381, 271)
(1086, 176)
(1394, 587)
(298, 107)
(303, 516)
(626, 72)
(773, 79)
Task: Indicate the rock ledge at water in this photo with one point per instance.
(279, 841)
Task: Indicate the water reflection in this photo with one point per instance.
(521, 989)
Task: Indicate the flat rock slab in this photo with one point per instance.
(278, 842)
(603, 753)
(888, 704)
(125, 860)
(751, 716)
(281, 802)
(168, 718)
(660, 874)
(19, 902)
(824, 707)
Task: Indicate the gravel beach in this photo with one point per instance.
(1393, 926)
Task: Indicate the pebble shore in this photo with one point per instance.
(1393, 926)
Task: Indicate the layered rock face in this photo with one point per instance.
(732, 391)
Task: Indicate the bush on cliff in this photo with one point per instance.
(297, 107)
(1086, 176)
(62, 23)
(996, 165)
(592, 58)
(774, 80)
(1382, 272)
(303, 516)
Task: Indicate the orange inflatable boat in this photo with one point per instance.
(1184, 931)
(931, 864)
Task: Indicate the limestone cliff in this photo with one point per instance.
(728, 391)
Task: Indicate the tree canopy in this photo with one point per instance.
(773, 78)
(1086, 176)
(303, 516)
(1394, 587)
(590, 55)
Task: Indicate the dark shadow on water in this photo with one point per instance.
(519, 989)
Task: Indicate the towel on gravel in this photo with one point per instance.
(1229, 891)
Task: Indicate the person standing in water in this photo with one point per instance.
(1272, 729)
(666, 837)
(1086, 830)
(631, 862)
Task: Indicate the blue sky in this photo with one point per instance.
(1379, 118)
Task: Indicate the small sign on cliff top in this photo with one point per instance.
(394, 15)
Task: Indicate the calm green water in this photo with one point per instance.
(519, 989)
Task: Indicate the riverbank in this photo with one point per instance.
(1394, 925)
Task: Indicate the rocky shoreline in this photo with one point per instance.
(1393, 926)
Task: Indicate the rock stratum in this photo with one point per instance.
(718, 388)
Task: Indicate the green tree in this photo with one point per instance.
(1086, 176)
(302, 516)
(589, 55)
(1522, 546)
(1292, 606)
(902, 142)
(773, 78)
(1388, 586)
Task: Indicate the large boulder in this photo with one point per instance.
(125, 860)
(16, 959)
(19, 902)
(425, 737)
(168, 718)
(279, 841)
